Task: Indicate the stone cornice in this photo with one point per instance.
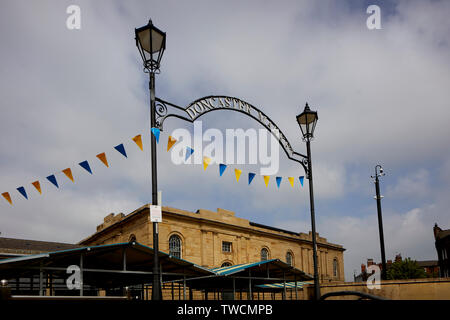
(241, 225)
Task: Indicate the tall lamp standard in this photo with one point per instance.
(378, 173)
(307, 121)
(151, 43)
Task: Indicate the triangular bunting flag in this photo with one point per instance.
(291, 180)
(155, 132)
(121, 149)
(301, 180)
(7, 197)
(222, 168)
(68, 173)
(138, 141)
(37, 185)
(102, 157)
(206, 162)
(237, 172)
(22, 192)
(52, 179)
(278, 179)
(266, 180)
(189, 151)
(250, 177)
(171, 142)
(85, 165)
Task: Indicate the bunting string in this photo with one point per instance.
(138, 141)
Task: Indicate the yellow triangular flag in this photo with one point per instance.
(138, 141)
(238, 174)
(291, 180)
(102, 157)
(266, 180)
(206, 162)
(68, 173)
(7, 197)
(171, 142)
(37, 185)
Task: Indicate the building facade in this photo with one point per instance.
(214, 239)
(442, 243)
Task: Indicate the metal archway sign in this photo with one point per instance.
(207, 104)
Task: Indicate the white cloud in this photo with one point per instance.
(414, 185)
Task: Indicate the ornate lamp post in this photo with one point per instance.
(378, 173)
(151, 43)
(307, 121)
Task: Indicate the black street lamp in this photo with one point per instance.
(151, 43)
(378, 173)
(307, 121)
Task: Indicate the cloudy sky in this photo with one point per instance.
(382, 98)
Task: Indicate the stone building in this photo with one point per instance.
(214, 239)
(442, 243)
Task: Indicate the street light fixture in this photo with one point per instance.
(307, 121)
(379, 172)
(151, 43)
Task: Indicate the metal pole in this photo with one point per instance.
(184, 286)
(156, 287)
(81, 275)
(380, 226)
(250, 296)
(313, 222)
(296, 288)
(41, 276)
(234, 288)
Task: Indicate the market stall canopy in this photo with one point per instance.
(103, 265)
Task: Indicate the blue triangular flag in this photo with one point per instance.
(250, 177)
(121, 149)
(301, 180)
(52, 179)
(189, 151)
(22, 192)
(155, 132)
(85, 165)
(222, 168)
(278, 179)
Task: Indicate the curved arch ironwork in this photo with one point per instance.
(207, 104)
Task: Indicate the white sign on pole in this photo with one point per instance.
(155, 214)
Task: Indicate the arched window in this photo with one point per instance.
(226, 264)
(289, 259)
(175, 246)
(264, 254)
(132, 238)
(335, 267)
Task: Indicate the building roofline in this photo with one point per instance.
(291, 235)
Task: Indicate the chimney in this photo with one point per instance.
(363, 268)
(369, 262)
(109, 220)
